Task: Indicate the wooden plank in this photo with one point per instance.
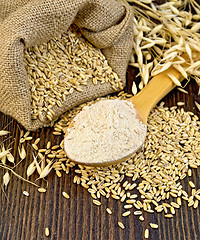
(24, 217)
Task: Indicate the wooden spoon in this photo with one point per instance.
(158, 87)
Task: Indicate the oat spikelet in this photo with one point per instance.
(4, 153)
(46, 170)
(31, 169)
(156, 29)
(6, 179)
(195, 27)
(17, 175)
(146, 74)
(42, 165)
(181, 70)
(3, 159)
(193, 66)
(134, 88)
(146, 1)
(148, 45)
(197, 105)
(10, 157)
(175, 80)
(162, 68)
(3, 132)
(22, 152)
(182, 90)
(39, 170)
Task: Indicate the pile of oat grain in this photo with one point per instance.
(61, 66)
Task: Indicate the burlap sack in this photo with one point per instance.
(107, 24)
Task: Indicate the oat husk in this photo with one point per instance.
(107, 24)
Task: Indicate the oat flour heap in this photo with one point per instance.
(105, 132)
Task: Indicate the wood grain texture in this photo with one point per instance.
(78, 218)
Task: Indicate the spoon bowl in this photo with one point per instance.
(157, 88)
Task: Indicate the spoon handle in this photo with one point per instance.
(157, 88)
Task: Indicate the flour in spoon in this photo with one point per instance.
(106, 131)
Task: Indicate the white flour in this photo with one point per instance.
(106, 131)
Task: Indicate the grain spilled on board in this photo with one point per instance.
(26, 193)
(108, 210)
(146, 233)
(121, 225)
(42, 190)
(47, 232)
(66, 195)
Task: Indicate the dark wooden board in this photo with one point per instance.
(77, 218)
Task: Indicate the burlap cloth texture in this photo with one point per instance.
(107, 24)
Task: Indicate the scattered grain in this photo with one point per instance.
(58, 173)
(35, 146)
(196, 203)
(168, 215)
(141, 218)
(180, 103)
(126, 213)
(28, 138)
(47, 232)
(26, 134)
(65, 195)
(108, 211)
(182, 90)
(137, 213)
(153, 225)
(42, 190)
(121, 225)
(26, 193)
(146, 233)
(37, 141)
(189, 172)
(192, 185)
(96, 202)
